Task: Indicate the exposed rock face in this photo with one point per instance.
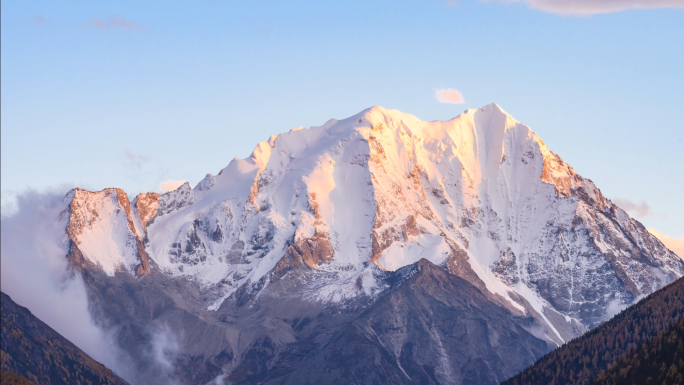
(311, 249)
(102, 233)
(318, 221)
(206, 183)
(175, 200)
(146, 207)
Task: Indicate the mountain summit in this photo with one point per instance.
(339, 216)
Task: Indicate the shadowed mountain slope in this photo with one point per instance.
(428, 326)
(584, 358)
(436, 328)
(34, 351)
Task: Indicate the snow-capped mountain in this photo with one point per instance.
(354, 200)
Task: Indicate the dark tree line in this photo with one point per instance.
(659, 361)
(583, 359)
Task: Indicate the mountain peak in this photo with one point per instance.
(366, 215)
(493, 107)
(479, 195)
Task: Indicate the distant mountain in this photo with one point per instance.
(316, 243)
(584, 358)
(32, 352)
(660, 360)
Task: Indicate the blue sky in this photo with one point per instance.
(130, 94)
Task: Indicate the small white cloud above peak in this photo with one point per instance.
(449, 96)
(170, 185)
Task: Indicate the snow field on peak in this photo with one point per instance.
(272, 190)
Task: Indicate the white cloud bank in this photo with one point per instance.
(33, 272)
(449, 96)
(593, 7)
(674, 244)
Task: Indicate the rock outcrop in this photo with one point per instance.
(102, 234)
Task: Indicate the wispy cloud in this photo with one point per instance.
(135, 160)
(449, 95)
(39, 20)
(115, 22)
(615, 306)
(674, 244)
(143, 169)
(164, 351)
(170, 185)
(637, 209)
(593, 7)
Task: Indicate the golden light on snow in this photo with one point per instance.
(674, 244)
(170, 185)
(449, 95)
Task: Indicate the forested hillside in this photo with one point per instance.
(32, 350)
(11, 378)
(660, 360)
(582, 359)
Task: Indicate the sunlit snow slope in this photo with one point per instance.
(480, 195)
